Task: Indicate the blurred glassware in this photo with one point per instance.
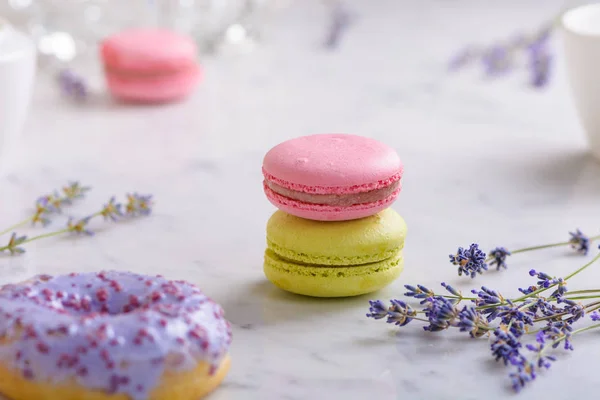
(68, 29)
(220, 25)
(17, 75)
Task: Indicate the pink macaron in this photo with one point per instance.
(332, 177)
(150, 65)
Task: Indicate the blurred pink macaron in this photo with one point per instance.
(150, 65)
(332, 177)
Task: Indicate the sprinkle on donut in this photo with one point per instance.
(112, 331)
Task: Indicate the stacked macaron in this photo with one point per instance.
(334, 234)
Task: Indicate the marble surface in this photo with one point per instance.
(486, 161)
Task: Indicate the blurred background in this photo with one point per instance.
(67, 31)
(428, 66)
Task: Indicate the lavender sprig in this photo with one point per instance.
(578, 241)
(501, 58)
(49, 204)
(136, 206)
(508, 321)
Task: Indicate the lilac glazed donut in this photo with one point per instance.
(110, 336)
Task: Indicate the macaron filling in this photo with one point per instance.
(331, 261)
(147, 74)
(335, 199)
(306, 268)
(317, 189)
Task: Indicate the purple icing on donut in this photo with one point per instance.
(111, 331)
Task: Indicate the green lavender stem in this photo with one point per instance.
(544, 246)
(38, 237)
(541, 290)
(16, 226)
(583, 291)
(596, 258)
(49, 234)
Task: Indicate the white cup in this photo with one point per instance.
(581, 38)
(17, 73)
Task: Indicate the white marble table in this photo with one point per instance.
(492, 162)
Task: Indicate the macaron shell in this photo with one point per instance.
(320, 281)
(321, 212)
(332, 163)
(338, 242)
(148, 50)
(157, 89)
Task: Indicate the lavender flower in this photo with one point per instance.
(528, 290)
(419, 292)
(470, 261)
(540, 59)
(579, 242)
(576, 310)
(451, 290)
(526, 372)
(112, 210)
(13, 244)
(506, 347)
(497, 60)
(499, 255)
(441, 313)
(377, 309)
(74, 190)
(400, 313)
(559, 331)
(544, 280)
(543, 305)
(561, 288)
(72, 84)
(543, 361)
(79, 226)
(540, 63)
(138, 204)
(595, 316)
(487, 296)
(42, 208)
(340, 21)
(53, 203)
(462, 58)
(472, 321)
(516, 318)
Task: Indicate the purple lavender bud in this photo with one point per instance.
(377, 309)
(339, 23)
(497, 60)
(499, 255)
(579, 242)
(461, 59)
(72, 84)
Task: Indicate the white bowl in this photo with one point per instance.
(17, 74)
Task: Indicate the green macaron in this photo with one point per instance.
(334, 259)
